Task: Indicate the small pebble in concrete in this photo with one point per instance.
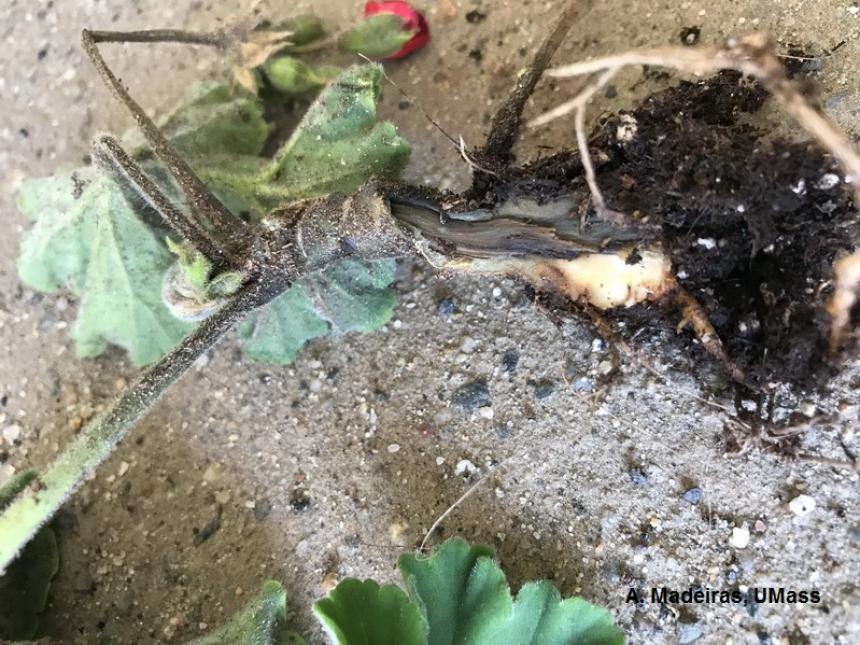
(472, 395)
(543, 388)
(802, 505)
(510, 359)
(12, 433)
(638, 477)
(465, 468)
(689, 632)
(445, 307)
(693, 496)
(262, 509)
(740, 537)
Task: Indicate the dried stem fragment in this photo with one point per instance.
(506, 122)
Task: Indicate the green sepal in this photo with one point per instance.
(377, 36)
(304, 29)
(194, 264)
(293, 76)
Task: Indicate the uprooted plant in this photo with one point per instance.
(302, 243)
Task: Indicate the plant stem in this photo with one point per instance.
(35, 505)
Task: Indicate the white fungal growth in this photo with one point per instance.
(627, 129)
(827, 182)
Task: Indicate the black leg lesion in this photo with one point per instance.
(232, 236)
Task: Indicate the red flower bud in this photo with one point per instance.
(413, 21)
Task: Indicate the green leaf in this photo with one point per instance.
(90, 240)
(338, 145)
(466, 600)
(348, 296)
(363, 613)
(24, 587)
(540, 616)
(442, 586)
(377, 36)
(263, 621)
(212, 119)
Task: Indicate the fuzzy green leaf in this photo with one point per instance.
(466, 600)
(212, 119)
(55, 252)
(278, 332)
(263, 621)
(363, 613)
(89, 239)
(338, 145)
(348, 296)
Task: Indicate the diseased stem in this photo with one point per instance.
(108, 149)
(201, 198)
(34, 506)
